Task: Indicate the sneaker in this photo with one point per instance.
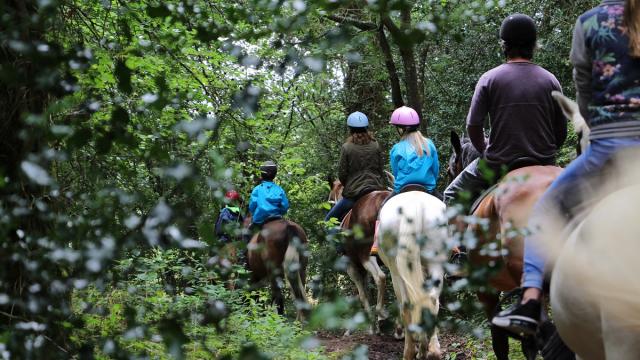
(521, 319)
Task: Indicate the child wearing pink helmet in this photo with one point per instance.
(414, 160)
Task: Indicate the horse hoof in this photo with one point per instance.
(434, 356)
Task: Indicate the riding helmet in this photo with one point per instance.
(268, 169)
(232, 195)
(405, 116)
(518, 30)
(357, 120)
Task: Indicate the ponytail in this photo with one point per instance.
(632, 23)
(418, 142)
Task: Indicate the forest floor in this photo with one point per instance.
(386, 347)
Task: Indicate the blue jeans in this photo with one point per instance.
(567, 196)
(340, 209)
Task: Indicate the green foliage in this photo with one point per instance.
(126, 121)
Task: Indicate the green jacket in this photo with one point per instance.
(361, 169)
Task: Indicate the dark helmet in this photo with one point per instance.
(518, 30)
(268, 169)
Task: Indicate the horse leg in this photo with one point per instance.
(398, 334)
(409, 345)
(529, 347)
(297, 291)
(499, 338)
(619, 339)
(276, 295)
(434, 347)
(379, 277)
(294, 270)
(357, 275)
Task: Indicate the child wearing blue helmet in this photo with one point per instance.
(361, 170)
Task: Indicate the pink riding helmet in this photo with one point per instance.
(405, 116)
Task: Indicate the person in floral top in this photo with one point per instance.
(606, 58)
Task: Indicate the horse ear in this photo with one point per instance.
(571, 110)
(569, 107)
(455, 142)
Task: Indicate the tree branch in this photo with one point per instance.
(362, 25)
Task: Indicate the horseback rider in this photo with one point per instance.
(527, 126)
(229, 216)
(414, 160)
(361, 170)
(268, 201)
(607, 78)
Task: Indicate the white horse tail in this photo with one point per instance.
(409, 224)
(410, 269)
(294, 266)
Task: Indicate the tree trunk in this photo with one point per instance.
(414, 98)
(396, 91)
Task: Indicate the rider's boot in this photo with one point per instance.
(521, 319)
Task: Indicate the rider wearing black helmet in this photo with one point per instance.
(518, 34)
(526, 123)
(268, 170)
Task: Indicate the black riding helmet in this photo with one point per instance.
(518, 30)
(268, 170)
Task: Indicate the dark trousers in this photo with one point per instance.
(340, 209)
(468, 185)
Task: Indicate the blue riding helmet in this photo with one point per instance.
(357, 120)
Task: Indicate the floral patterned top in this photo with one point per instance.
(607, 77)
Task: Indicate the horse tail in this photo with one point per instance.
(410, 270)
(414, 222)
(294, 264)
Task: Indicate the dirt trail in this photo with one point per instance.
(385, 347)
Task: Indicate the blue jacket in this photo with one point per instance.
(408, 168)
(267, 200)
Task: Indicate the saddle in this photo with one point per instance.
(413, 187)
(518, 163)
(272, 218)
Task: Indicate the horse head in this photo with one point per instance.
(571, 110)
(462, 155)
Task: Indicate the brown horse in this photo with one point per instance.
(507, 209)
(273, 254)
(360, 225)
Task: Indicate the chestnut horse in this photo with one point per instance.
(507, 209)
(360, 224)
(273, 254)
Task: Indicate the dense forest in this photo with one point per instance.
(125, 122)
